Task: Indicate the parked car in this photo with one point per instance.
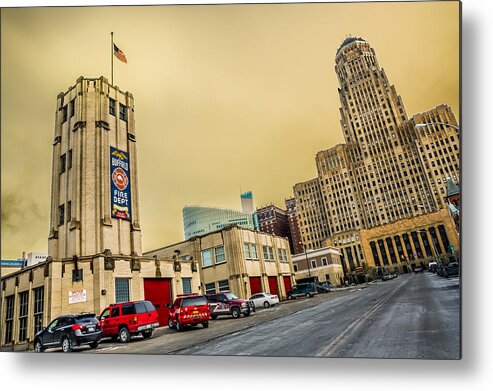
(124, 320)
(432, 267)
(418, 269)
(307, 290)
(451, 270)
(69, 331)
(323, 287)
(264, 299)
(389, 276)
(188, 310)
(227, 303)
(440, 268)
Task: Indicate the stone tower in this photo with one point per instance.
(94, 195)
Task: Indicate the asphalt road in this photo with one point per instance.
(412, 316)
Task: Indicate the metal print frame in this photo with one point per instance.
(290, 197)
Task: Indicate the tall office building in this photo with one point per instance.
(294, 228)
(386, 176)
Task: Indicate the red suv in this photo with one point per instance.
(188, 310)
(227, 303)
(122, 320)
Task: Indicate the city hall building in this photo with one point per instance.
(380, 197)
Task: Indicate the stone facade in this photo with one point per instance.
(230, 258)
(323, 264)
(388, 172)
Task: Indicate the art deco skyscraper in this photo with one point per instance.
(371, 114)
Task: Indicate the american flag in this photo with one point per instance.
(119, 54)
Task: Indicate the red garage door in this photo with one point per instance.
(287, 283)
(274, 289)
(158, 292)
(255, 285)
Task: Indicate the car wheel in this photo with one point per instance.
(213, 317)
(235, 312)
(38, 346)
(94, 345)
(266, 304)
(171, 325)
(66, 345)
(124, 335)
(308, 295)
(179, 327)
(147, 334)
(205, 324)
(290, 297)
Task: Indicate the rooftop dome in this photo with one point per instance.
(348, 41)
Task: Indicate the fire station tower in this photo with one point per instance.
(94, 195)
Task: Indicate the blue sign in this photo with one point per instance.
(121, 205)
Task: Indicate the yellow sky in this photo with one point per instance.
(228, 97)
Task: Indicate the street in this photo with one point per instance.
(412, 316)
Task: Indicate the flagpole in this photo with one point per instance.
(112, 49)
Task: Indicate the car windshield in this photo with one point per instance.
(230, 296)
(193, 301)
(86, 318)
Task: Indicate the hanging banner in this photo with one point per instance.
(120, 184)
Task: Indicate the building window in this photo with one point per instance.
(268, 253)
(207, 257)
(23, 311)
(295, 267)
(69, 163)
(122, 290)
(210, 288)
(65, 114)
(9, 318)
(61, 211)
(72, 108)
(63, 160)
(324, 262)
(223, 285)
(250, 250)
(283, 257)
(77, 275)
(219, 252)
(123, 112)
(38, 309)
(69, 211)
(187, 285)
(313, 263)
(112, 106)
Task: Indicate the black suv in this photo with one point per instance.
(69, 331)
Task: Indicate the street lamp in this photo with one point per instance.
(306, 256)
(433, 208)
(422, 126)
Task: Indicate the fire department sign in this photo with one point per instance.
(121, 206)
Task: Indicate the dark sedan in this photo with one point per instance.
(451, 270)
(69, 331)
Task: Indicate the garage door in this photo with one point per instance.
(255, 285)
(274, 289)
(158, 292)
(287, 283)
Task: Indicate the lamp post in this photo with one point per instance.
(422, 126)
(433, 208)
(307, 263)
